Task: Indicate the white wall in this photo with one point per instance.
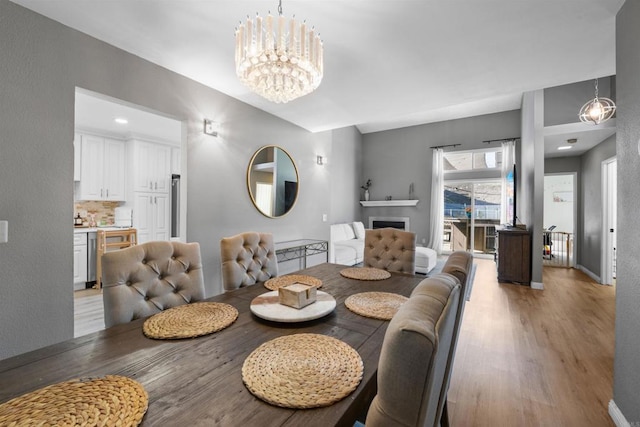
(556, 212)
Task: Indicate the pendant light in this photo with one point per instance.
(598, 110)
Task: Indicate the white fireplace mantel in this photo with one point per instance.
(373, 203)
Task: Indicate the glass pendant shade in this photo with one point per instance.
(278, 58)
(598, 110)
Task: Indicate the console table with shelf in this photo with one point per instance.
(375, 203)
(301, 249)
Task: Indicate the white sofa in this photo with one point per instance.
(426, 259)
(346, 246)
(346, 243)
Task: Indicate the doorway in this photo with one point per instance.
(559, 220)
(103, 122)
(609, 220)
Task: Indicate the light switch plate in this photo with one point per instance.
(4, 231)
(324, 217)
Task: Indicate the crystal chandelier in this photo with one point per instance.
(277, 58)
(598, 110)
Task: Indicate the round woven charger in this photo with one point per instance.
(190, 320)
(365, 273)
(278, 282)
(302, 371)
(379, 305)
(108, 401)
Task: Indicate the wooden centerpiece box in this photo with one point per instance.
(297, 295)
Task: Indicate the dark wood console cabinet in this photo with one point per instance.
(514, 255)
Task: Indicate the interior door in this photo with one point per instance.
(609, 220)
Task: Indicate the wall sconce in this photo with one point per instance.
(211, 128)
(321, 161)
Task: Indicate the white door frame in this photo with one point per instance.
(609, 205)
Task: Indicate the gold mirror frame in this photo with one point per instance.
(273, 167)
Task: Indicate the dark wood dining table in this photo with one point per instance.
(198, 381)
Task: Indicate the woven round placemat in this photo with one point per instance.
(190, 320)
(280, 281)
(108, 401)
(379, 305)
(302, 371)
(365, 273)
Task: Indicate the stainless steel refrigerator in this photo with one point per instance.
(175, 205)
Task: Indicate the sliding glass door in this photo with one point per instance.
(471, 213)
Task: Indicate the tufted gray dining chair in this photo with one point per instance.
(146, 279)
(247, 258)
(414, 365)
(390, 249)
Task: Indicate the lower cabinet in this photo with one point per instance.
(79, 260)
(151, 216)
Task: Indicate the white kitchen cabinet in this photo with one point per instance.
(102, 168)
(151, 166)
(151, 216)
(80, 250)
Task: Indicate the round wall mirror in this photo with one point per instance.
(272, 179)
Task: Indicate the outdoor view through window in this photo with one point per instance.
(472, 206)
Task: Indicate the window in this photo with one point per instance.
(473, 160)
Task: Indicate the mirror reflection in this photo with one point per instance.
(272, 179)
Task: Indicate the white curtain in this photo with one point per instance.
(436, 225)
(508, 159)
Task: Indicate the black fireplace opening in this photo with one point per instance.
(384, 224)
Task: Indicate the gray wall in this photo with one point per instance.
(588, 167)
(531, 180)
(562, 103)
(626, 384)
(396, 158)
(590, 205)
(345, 166)
(42, 64)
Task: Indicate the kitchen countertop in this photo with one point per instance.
(95, 229)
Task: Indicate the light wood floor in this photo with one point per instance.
(534, 358)
(524, 357)
(88, 313)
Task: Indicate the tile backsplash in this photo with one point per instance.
(103, 211)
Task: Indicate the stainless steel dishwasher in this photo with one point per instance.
(92, 248)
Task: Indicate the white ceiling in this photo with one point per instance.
(94, 112)
(388, 63)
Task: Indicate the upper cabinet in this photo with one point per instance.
(102, 168)
(151, 166)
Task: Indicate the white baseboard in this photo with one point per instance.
(616, 415)
(588, 273)
(537, 285)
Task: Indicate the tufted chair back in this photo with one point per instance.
(146, 279)
(412, 370)
(390, 249)
(247, 258)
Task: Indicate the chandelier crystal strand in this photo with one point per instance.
(277, 58)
